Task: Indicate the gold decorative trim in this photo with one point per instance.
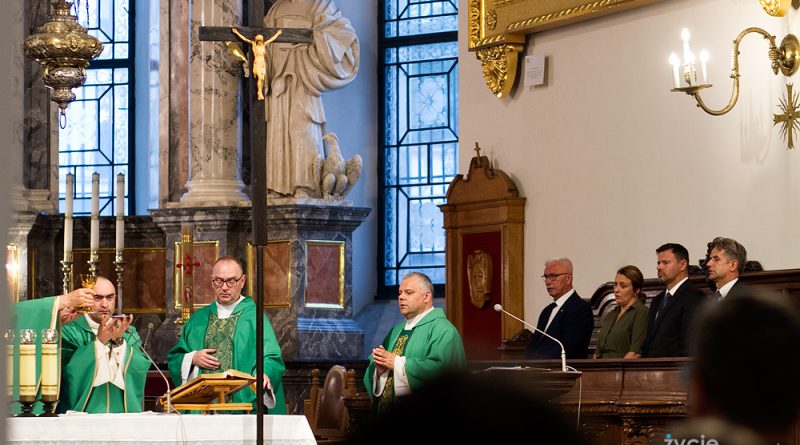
(178, 279)
(504, 24)
(499, 65)
(341, 245)
(252, 274)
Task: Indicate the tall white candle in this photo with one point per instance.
(94, 234)
(675, 62)
(120, 212)
(69, 188)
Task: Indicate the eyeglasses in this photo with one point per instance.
(217, 282)
(553, 276)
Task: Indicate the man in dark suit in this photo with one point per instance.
(568, 318)
(672, 311)
(725, 264)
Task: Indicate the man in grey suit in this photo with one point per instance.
(672, 311)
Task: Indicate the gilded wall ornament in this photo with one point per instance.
(790, 105)
(499, 67)
(491, 20)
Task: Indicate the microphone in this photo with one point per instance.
(153, 362)
(499, 308)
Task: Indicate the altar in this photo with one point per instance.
(156, 428)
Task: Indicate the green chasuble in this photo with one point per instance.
(434, 347)
(36, 314)
(78, 369)
(194, 336)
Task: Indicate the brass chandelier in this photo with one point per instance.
(64, 49)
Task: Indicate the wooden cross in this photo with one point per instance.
(254, 137)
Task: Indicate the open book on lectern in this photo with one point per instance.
(208, 392)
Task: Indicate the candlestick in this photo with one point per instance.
(686, 50)
(94, 233)
(120, 212)
(50, 363)
(68, 190)
(27, 365)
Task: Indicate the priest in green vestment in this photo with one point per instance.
(103, 369)
(416, 350)
(222, 336)
(40, 314)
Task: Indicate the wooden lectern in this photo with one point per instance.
(207, 392)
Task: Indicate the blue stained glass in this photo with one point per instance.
(420, 136)
(97, 135)
(406, 18)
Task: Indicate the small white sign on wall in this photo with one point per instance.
(534, 70)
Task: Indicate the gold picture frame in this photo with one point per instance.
(12, 271)
(270, 301)
(339, 245)
(497, 29)
(203, 291)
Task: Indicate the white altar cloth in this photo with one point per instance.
(156, 429)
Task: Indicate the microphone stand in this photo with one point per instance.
(499, 308)
(152, 362)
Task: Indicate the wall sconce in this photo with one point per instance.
(785, 59)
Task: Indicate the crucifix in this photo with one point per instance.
(254, 131)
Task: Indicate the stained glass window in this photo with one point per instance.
(98, 133)
(420, 134)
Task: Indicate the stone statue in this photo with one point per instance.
(338, 175)
(299, 74)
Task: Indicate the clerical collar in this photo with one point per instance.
(675, 288)
(410, 324)
(93, 325)
(225, 310)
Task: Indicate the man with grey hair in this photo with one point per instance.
(568, 318)
(416, 350)
(725, 264)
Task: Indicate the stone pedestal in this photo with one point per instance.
(309, 289)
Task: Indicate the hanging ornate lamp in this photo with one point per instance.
(64, 49)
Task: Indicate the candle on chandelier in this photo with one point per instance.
(704, 65)
(675, 62)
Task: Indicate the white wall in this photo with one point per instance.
(352, 114)
(613, 164)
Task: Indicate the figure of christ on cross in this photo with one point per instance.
(259, 45)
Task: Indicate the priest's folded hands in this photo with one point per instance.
(384, 359)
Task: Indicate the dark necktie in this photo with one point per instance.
(663, 304)
(717, 295)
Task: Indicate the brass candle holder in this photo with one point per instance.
(66, 272)
(119, 263)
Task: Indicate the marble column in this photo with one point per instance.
(215, 106)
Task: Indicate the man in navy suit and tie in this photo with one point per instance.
(672, 311)
(568, 318)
